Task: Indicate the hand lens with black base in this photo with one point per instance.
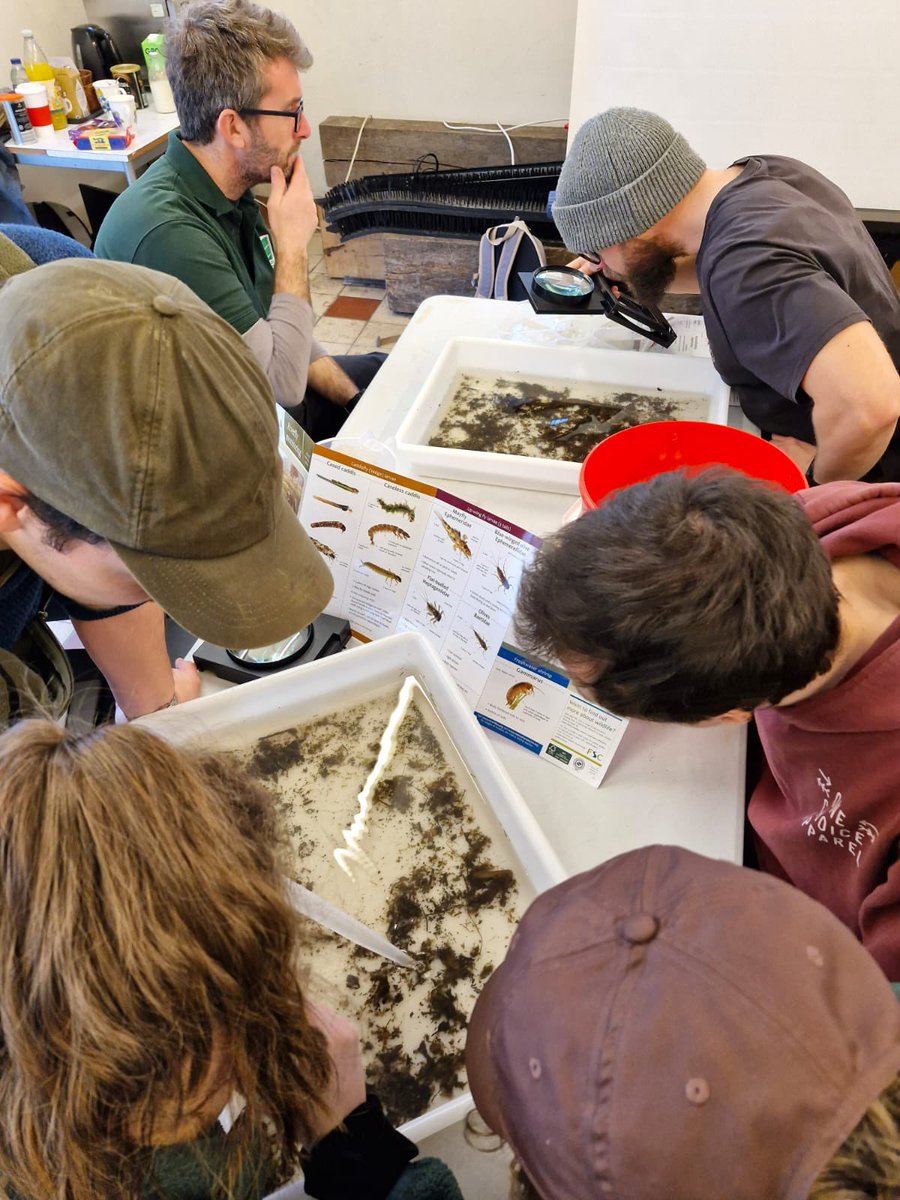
(279, 654)
(565, 290)
(325, 636)
(563, 286)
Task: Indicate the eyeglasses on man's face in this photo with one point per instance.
(296, 114)
(591, 258)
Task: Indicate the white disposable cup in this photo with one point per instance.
(38, 104)
(124, 109)
(108, 89)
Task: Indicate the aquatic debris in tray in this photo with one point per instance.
(545, 418)
(443, 888)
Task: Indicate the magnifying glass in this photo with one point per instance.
(564, 289)
(279, 654)
(564, 286)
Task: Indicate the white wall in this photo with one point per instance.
(815, 79)
(51, 21)
(461, 60)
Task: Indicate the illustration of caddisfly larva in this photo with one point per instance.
(480, 640)
(329, 525)
(333, 503)
(401, 507)
(322, 548)
(435, 613)
(517, 694)
(457, 540)
(337, 483)
(383, 572)
(394, 529)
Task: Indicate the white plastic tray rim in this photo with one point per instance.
(626, 368)
(238, 715)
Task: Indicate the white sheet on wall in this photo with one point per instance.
(468, 60)
(815, 79)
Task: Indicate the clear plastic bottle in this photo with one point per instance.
(38, 70)
(17, 73)
(163, 100)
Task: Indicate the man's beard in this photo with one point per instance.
(650, 268)
(259, 160)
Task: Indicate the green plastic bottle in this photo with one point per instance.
(38, 70)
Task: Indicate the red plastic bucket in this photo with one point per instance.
(640, 453)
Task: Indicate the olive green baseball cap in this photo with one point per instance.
(128, 405)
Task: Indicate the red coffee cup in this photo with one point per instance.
(38, 105)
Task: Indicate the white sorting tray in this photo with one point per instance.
(576, 364)
(232, 718)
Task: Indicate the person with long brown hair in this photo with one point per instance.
(149, 973)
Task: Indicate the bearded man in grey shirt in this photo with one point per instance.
(802, 315)
(235, 73)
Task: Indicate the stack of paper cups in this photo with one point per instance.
(38, 105)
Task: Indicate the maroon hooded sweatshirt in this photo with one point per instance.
(826, 813)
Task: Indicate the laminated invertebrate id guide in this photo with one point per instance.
(408, 556)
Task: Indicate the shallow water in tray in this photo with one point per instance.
(433, 871)
(548, 418)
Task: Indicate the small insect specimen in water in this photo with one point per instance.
(517, 694)
(337, 483)
(394, 529)
(480, 640)
(435, 613)
(457, 540)
(383, 571)
(333, 503)
(504, 579)
(405, 510)
(329, 525)
(323, 549)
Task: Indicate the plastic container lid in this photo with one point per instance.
(641, 453)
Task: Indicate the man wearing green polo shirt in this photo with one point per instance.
(234, 68)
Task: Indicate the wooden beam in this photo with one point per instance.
(418, 267)
(390, 147)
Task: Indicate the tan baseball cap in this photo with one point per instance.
(127, 404)
(671, 1026)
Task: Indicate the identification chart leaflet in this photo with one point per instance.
(408, 556)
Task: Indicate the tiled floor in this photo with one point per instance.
(348, 334)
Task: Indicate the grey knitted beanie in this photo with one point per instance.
(627, 168)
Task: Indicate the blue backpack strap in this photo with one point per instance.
(518, 250)
(515, 231)
(487, 261)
